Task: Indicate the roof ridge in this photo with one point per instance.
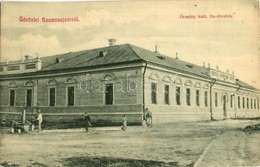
(130, 45)
(62, 54)
(160, 54)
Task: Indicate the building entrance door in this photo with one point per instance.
(224, 106)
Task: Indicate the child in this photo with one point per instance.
(124, 123)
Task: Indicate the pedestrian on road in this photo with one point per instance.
(87, 121)
(148, 117)
(124, 123)
(39, 119)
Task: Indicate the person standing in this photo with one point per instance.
(148, 116)
(124, 123)
(87, 121)
(39, 118)
(144, 116)
(23, 116)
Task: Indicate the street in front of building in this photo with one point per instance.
(203, 143)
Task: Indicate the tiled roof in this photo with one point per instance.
(88, 58)
(118, 54)
(245, 85)
(170, 62)
(122, 54)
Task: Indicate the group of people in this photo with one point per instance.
(38, 120)
(147, 117)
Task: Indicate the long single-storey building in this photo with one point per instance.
(122, 79)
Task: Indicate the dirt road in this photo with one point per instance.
(232, 148)
(177, 144)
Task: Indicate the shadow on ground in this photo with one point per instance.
(252, 128)
(114, 162)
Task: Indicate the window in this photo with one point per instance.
(1, 69)
(243, 102)
(12, 68)
(70, 96)
(247, 103)
(178, 95)
(166, 94)
(154, 93)
(206, 98)
(251, 103)
(238, 101)
(216, 99)
(197, 97)
(29, 97)
(188, 96)
(231, 101)
(254, 103)
(30, 66)
(109, 94)
(12, 97)
(52, 96)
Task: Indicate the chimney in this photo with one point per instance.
(26, 57)
(112, 41)
(208, 65)
(217, 67)
(155, 49)
(176, 55)
(204, 64)
(227, 70)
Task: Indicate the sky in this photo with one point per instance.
(230, 43)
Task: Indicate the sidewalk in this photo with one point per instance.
(91, 129)
(232, 123)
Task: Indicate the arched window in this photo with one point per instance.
(70, 89)
(109, 89)
(12, 93)
(29, 93)
(52, 84)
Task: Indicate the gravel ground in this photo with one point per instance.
(218, 143)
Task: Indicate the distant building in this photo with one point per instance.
(122, 79)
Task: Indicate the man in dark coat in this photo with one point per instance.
(148, 117)
(87, 121)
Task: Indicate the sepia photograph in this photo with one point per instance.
(168, 83)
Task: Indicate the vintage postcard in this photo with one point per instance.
(130, 83)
